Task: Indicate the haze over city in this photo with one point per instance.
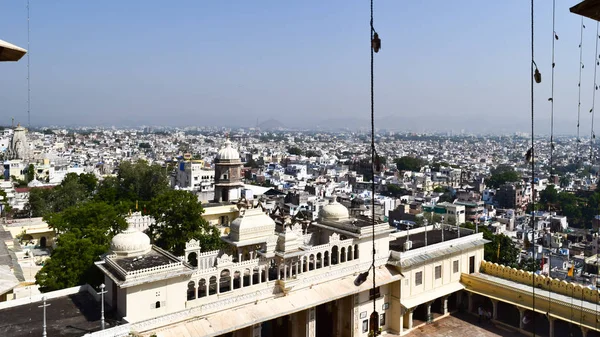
(304, 64)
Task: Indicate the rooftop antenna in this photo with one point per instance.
(28, 77)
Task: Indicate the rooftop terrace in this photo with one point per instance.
(433, 237)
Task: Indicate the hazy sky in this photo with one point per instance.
(443, 64)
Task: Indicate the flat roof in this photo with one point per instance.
(149, 260)
(71, 315)
(433, 237)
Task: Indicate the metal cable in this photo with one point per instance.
(28, 84)
(579, 85)
(373, 165)
(532, 75)
(593, 110)
(554, 37)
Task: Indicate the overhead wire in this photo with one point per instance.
(374, 36)
(581, 66)
(554, 37)
(593, 110)
(537, 77)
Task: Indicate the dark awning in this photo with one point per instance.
(588, 8)
(10, 52)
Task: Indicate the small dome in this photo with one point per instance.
(251, 224)
(334, 211)
(228, 152)
(130, 243)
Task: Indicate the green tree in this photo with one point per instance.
(179, 219)
(408, 163)
(549, 197)
(509, 253)
(439, 189)
(141, 181)
(312, 153)
(85, 232)
(502, 176)
(4, 206)
(528, 264)
(294, 150)
(30, 173)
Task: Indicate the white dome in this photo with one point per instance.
(251, 224)
(130, 243)
(334, 211)
(228, 152)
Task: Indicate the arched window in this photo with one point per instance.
(247, 276)
(326, 259)
(350, 253)
(193, 259)
(201, 288)
(356, 251)
(334, 255)
(319, 260)
(191, 291)
(343, 254)
(237, 283)
(225, 281)
(157, 304)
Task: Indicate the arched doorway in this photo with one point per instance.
(193, 259)
(43, 242)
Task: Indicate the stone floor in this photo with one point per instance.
(459, 325)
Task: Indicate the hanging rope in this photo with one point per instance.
(593, 110)
(581, 66)
(551, 99)
(535, 75)
(375, 46)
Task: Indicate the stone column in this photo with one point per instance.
(256, 330)
(470, 304)
(401, 328)
(252, 276)
(551, 326)
(279, 272)
(494, 309)
(311, 323)
(521, 315)
(231, 282)
(410, 318)
(428, 306)
(196, 291)
(444, 305)
(584, 331)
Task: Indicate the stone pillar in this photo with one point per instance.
(494, 309)
(470, 304)
(551, 326)
(444, 305)
(231, 282)
(279, 272)
(196, 291)
(252, 276)
(256, 330)
(410, 318)
(521, 315)
(584, 331)
(285, 270)
(311, 323)
(401, 324)
(428, 306)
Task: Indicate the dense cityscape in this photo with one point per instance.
(330, 226)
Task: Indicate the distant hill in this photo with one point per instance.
(271, 124)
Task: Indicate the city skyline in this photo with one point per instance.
(305, 65)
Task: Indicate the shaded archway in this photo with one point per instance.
(356, 251)
(212, 285)
(319, 260)
(349, 253)
(237, 281)
(43, 242)
(326, 259)
(256, 275)
(343, 254)
(334, 255)
(201, 288)
(191, 291)
(508, 313)
(193, 259)
(247, 276)
(225, 281)
(540, 321)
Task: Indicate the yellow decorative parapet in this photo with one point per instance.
(542, 282)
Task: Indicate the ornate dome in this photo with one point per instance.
(228, 152)
(130, 242)
(251, 224)
(334, 211)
